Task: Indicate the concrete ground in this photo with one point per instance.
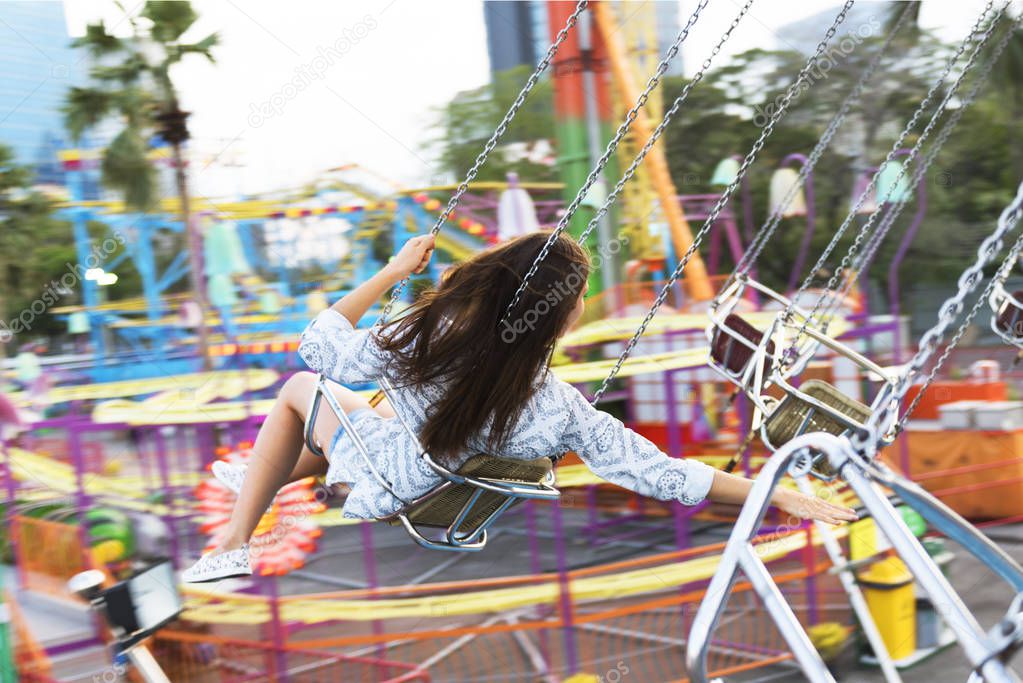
(340, 564)
(987, 597)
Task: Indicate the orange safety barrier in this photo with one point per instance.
(49, 553)
(963, 468)
(949, 391)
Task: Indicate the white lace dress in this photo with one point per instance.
(557, 418)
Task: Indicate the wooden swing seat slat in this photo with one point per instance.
(441, 506)
(795, 416)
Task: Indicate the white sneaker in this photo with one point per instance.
(226, 565)
(232, 476)
(229, 474)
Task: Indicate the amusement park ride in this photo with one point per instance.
(804, 382)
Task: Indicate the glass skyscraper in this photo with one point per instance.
(37, 66)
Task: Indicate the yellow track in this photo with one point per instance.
(199, 386)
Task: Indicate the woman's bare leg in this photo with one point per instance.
(275, 455)
(311, 465)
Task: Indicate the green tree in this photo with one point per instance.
(131, 80)
(34, 250)
(466, 123)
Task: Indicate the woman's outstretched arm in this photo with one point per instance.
(620, 455)
(413, 258)
(733, 490)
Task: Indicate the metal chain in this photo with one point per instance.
(766, 231)
(1005, 268)
(613, 196)
(712, 216)
(492, 142)
(866, 441)
(895, 210)
(663, 125)
(612, 145)
(864, 231)
(896, 146)
(1010, 260)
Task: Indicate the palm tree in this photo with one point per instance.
(131, 81)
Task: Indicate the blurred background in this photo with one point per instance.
(183, 186)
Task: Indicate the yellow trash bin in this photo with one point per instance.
(888, 587)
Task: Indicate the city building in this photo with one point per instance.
(37, 66)
(518, 33)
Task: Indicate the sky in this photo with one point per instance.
(303, 86)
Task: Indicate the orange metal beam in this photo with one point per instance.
(697, 281)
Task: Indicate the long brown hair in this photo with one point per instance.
(455, 335)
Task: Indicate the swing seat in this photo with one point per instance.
(740, 352)
(466, 503)
(1007, 318)
(817, 407)
(728, 349)
(471, 499)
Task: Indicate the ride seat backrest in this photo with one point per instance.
(731, 353)
(440, 510)
(785, 422)
(1010, 318)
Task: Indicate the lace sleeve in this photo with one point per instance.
(621, 456)
(331, 345)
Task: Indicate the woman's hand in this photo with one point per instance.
(412, 258)
(811, 507)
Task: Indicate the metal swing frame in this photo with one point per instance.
(452, 537)
(988, 652)
(793, 392)
(757, 372)
(1000, 300)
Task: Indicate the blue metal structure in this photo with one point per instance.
(153, 340)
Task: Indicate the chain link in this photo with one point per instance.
(867, 442)
(492, 142)
(712, 216)
(1004, 269)
(1010, 260)
(861, 200)
(895, 210)
(668, 116)
(613, 144)
(760, 240)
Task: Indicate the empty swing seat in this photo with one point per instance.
(1010, 318)
(795, 415)
(727, 349)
